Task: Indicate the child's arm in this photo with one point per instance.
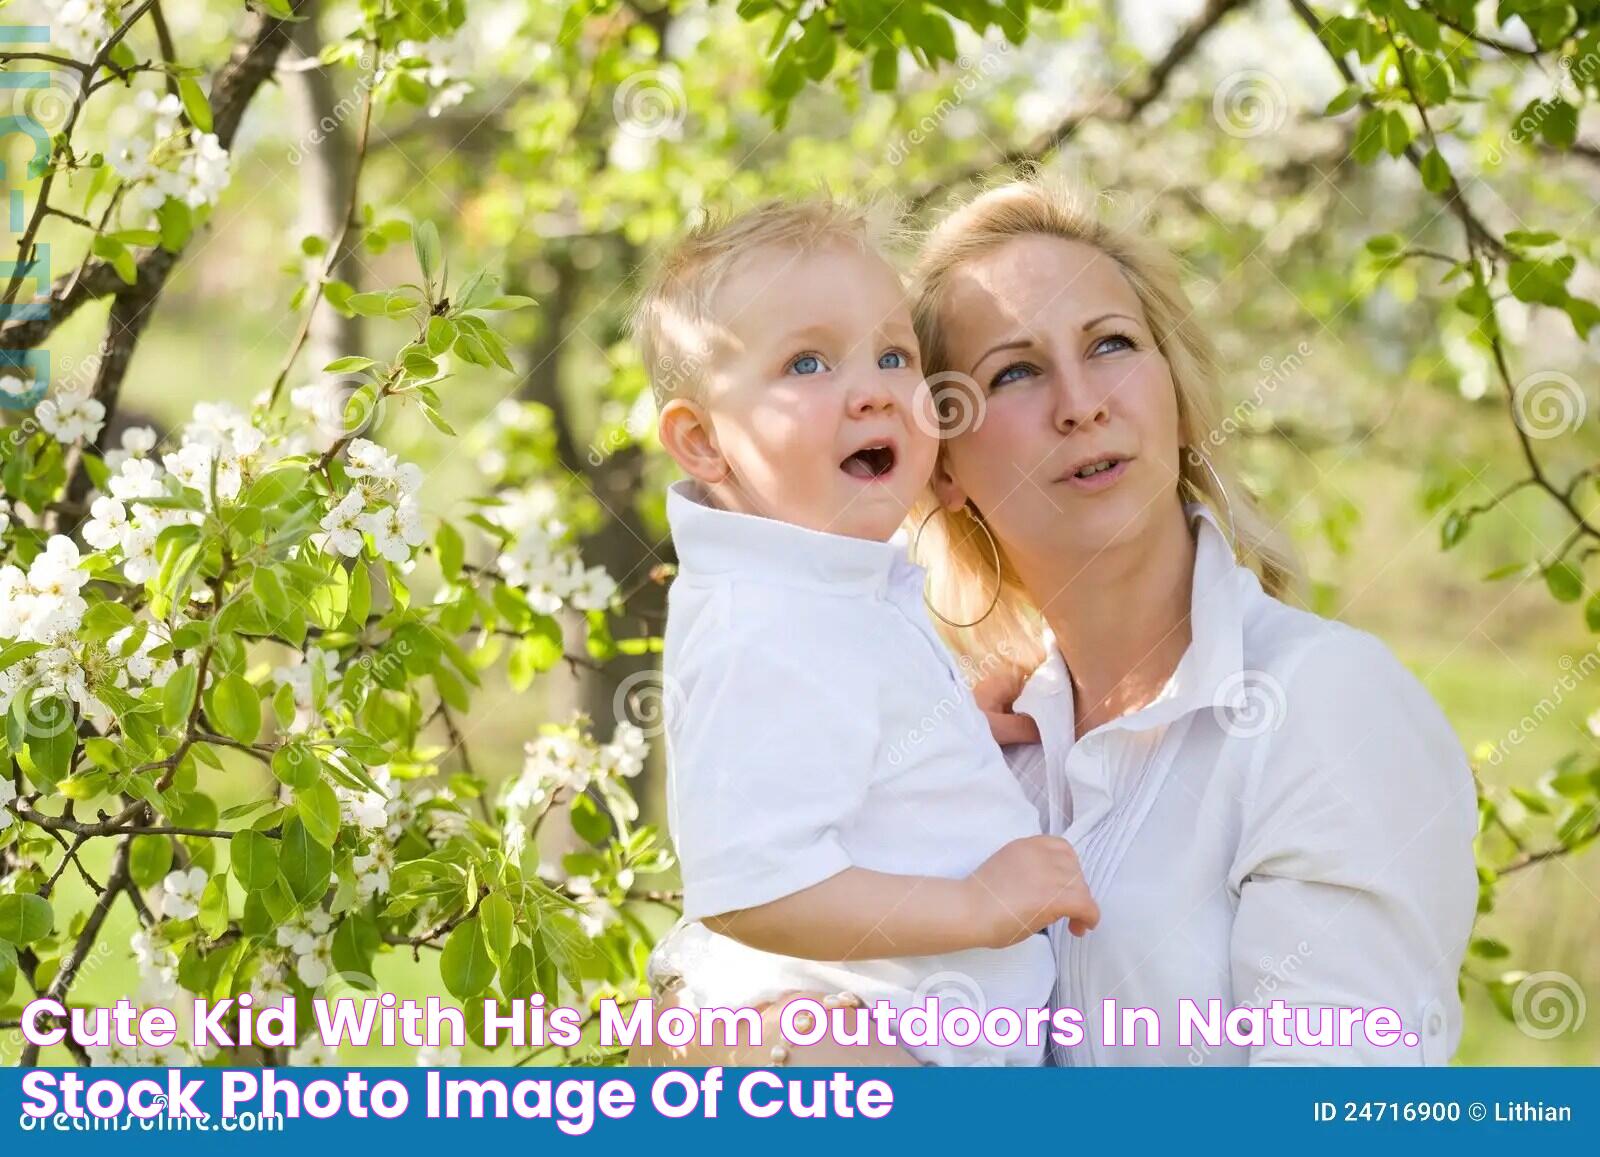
(859, 914)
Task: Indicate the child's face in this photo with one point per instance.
(814, 391)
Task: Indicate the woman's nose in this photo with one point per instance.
(1079, 402)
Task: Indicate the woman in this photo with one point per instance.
(1266, 804)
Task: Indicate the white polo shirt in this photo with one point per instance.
(1292, 818)
(817, 722)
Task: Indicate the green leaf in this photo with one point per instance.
(234, 708)
(465, 965)
(213, 918)
(886, 69)
(254, 859)
(1344, 102)
(1565, 581)
(195, 103)
(348, 365)
(1396, 132)
(25, 918)
(1435, 172)
(296, 765)
(305, 863)
(499, 926)
(268, 589)
(149, 860)
(177, 695)
(450, 551)
(425, 243)
(1559, 126)
(318, 806)
(8, 970)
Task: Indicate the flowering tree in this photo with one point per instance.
(245, 592)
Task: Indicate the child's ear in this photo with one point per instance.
(945, 488)
(685, 431)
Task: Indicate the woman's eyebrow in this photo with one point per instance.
(1013, 344)
(1094, 321)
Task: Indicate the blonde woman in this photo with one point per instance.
(1266, 804)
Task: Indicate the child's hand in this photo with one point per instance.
(1030, 884)
(995, 695)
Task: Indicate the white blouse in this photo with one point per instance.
(1291, 818)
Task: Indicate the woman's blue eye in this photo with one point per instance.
(1011, 374)
(893, 360)
(806, 364)
(1127, 342)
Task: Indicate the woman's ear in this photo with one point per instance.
(685, 431)
(945, 488)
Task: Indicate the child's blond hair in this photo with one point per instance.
(670, 323)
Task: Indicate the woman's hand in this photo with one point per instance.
(996, 695)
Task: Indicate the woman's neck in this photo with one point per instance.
(1121, 620)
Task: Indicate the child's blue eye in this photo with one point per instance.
(806, 364)
(893, 360)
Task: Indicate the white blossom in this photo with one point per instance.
(179, 897)
(8, 792)
(341, 523)
(71, 416)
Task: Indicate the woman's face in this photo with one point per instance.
(1077, 447)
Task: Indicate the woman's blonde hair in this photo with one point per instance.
(962, 578)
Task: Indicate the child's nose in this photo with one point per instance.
(869, 394)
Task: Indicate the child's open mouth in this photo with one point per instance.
(870, 463)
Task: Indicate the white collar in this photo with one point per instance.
(712, 541)
(1211, 664)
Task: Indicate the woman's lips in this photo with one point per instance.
(1100, 480)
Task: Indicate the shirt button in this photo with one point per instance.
(1435, 1022)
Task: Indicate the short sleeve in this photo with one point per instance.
(771, 751)
(1355, 875)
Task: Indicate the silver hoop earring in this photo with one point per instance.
(1201, 460)
(994, 549)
